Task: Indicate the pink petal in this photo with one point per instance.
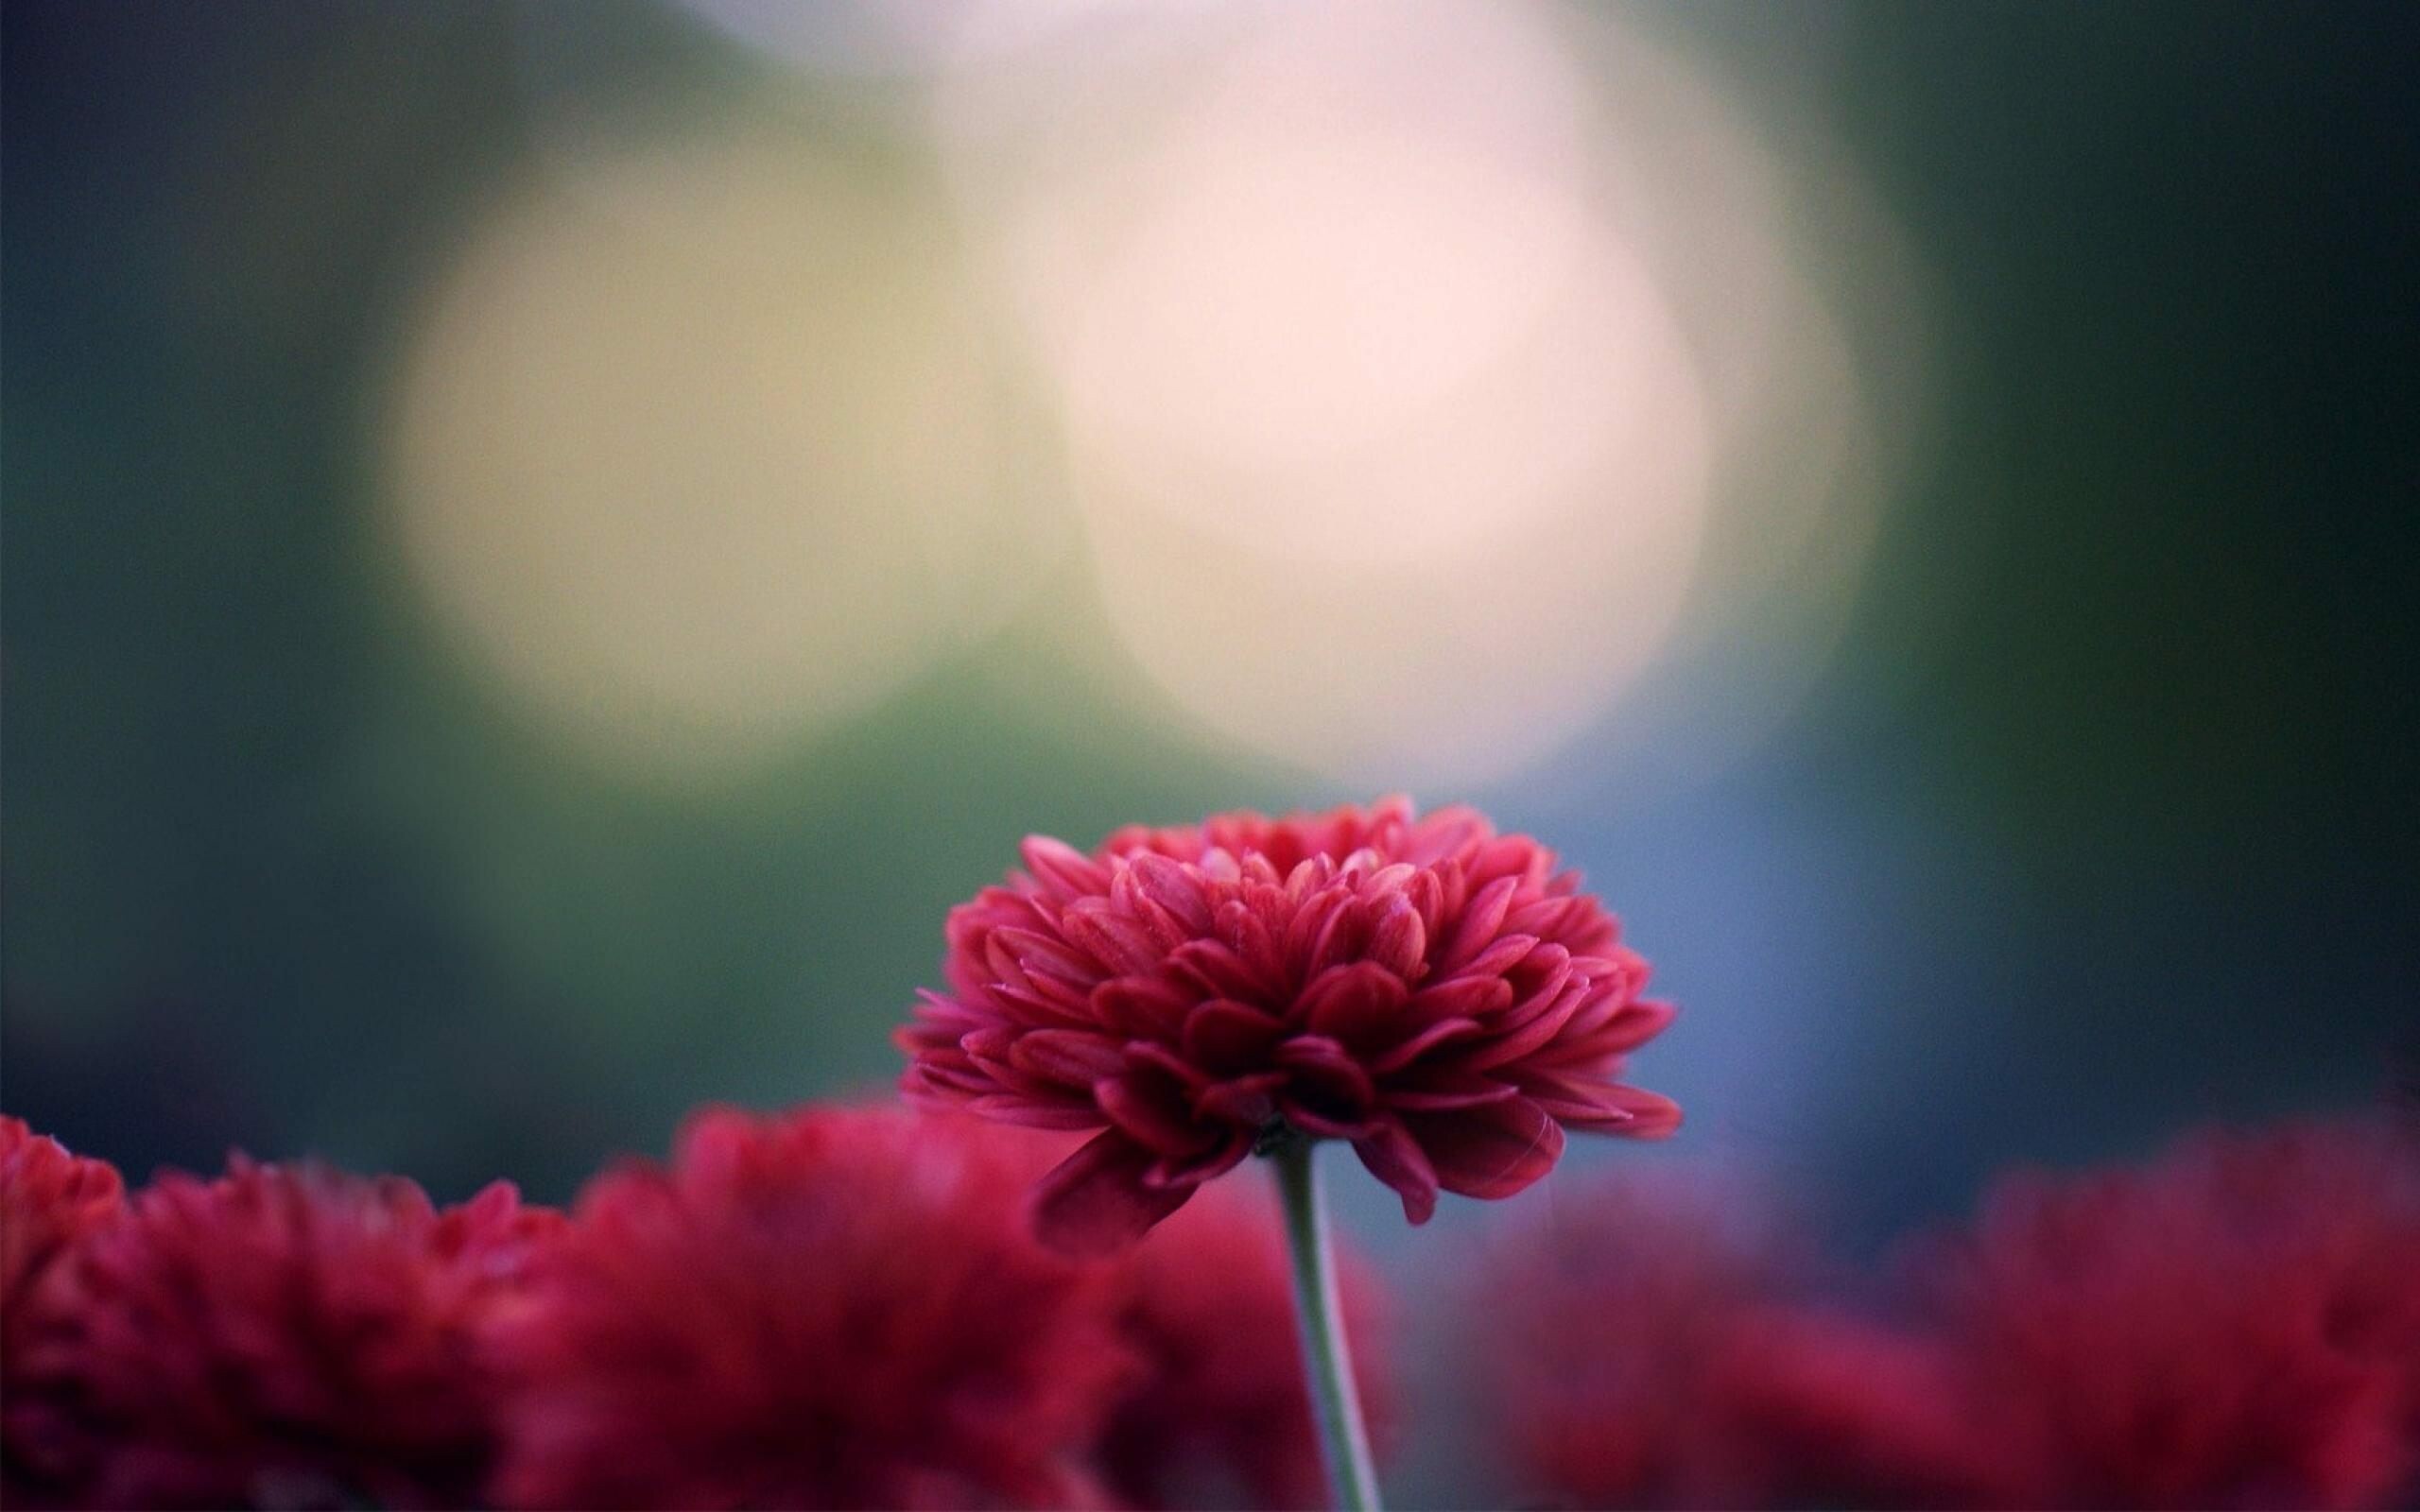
(1465, 997)
(1244, 1100)
(1525, 1039)
(1393, 1156)
(945, 1014)
(1427, 895)
(1226, 1036)
(1335, 917)
(1013, 1079)
(1515, 855)
(1317, 1052)
(1602, 1004)
(1598, 1106)
(1165, 929)
(1069, 1057)
(1034, 953)
(1174, 887)
(1569, 1098)
(1443, 1088)
(1493, 1150)
(1356, 1005)
(1191, 1171)
(1420, 1044)
(1448, 832)
(1142, 1004)
(1652, 1115)
(1153, 1113)
(1500, 957)
(1631, 1027)
(1063, 870)
(1160, 1058)
(1009, 1109)
(1482, 918)
(1401, 939)
(1245, 930)
(1044, 1000)
(944, 1078)
(1110, 937)
(992, 1043)
(1547, 918)
(1094, 1203)
(1328, 1093)
(1541, 980)
(1214, 969)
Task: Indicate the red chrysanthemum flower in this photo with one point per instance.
(2236, 1324)
(1651, 1344)
(1219, 1416)
(836, 1308)
(284, 1335)
(1438, 994)
(49, 1201)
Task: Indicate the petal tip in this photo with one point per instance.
(1095, 1203)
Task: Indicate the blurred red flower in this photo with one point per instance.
(49, 1201)
(1219, 1416)
(2236, 1324)
(834, 1308)
(284, 1335)
(1646, 1343)
(1436, 993)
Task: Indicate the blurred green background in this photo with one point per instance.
(2043, 785)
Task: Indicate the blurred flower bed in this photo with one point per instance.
(876, 1305)
(842, 1306)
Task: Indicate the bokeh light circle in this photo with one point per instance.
(1423, 364)
(697, 447)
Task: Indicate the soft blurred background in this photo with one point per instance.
(546, 544)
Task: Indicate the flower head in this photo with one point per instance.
(836, 1308)
(1218, 1416)
(1646, 1343)
(281, 1335)
(1438, 994)
(2237, 1323)
(49, 1201)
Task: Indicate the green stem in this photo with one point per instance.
(1327, 1365)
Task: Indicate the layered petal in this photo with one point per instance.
(1096, 1201)
(1491, 1149)
(1440, 995)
